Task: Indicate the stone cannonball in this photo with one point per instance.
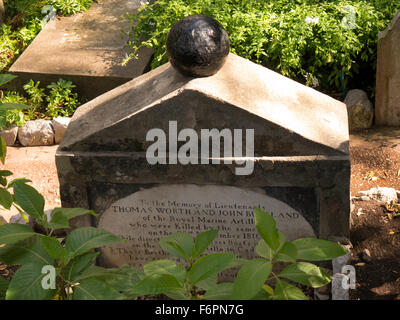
(197, 46)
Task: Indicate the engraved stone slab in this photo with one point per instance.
(144, 217)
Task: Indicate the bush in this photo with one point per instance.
(326, 43)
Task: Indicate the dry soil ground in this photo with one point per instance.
(375, 161)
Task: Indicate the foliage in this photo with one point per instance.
(37, 254)
(61, 100)
(199, 280)
(11, 105)
(316, 42)
(24, 20)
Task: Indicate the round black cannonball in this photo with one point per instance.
(197, 46)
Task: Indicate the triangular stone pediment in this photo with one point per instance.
(288, 118)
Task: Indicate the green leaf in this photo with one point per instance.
(31, 201)
(3, 288)
(84, 239)
(29, 250)
(26, 284)
(250, 279)
(14, 232)
(127, 278)
(95, 289)
(165, 267)
(208, 283)
(286, 291)
(6, 199)
(178, 295)
(288, 253)
(266, 227)
(317, 249)
(179, 244)
(222, 291)
(307, 274)
(14, 106)
(60, 216)
(19, 180)
(208, 265)
(3, 150)
(263, 250)
(156, 284)
(5, 173)
(203, 240)
(53, 247)
(79, 264)
(97, 272)
(6, 77)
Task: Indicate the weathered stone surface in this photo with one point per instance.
(360, 110)
(382, 194)
(10, 135)
(60, 125)
(301, 157)
(36, 133)
(197, 45)
(387, 98)
(86, 48)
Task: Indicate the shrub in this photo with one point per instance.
(314, 42)
(199, 280)
(61, 100)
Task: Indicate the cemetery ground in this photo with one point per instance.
(375, 233)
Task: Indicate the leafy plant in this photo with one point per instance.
(330, 44)
(71, 7)
(62, 101)
(70, 257)
(199, 280)
(11, 105)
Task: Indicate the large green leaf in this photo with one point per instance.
(31, 201)
(127, 278)
(6, 77)
(288, 253)
(165, 267)
(266, 227)
(6, 199)
(286, 291)
(179, 244)
(222, 291)
(203, 240)
(95, 289)
(3, 288)
(97, 272)
(26, 284)
(208, 265)
(263, 250)
(208, 283)
(250, 279)
(14, 232)
(313, 249)
(29, 250)
(306, 273)
(53, 247)
(84, 239)
(78, 265)
(60, 216)
(156, 284)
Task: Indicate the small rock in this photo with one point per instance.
(36, 133)
(382, 194)
(322, 293)
(10, 135)
(17, 218)
(365, 255)
(60, 125)
(359, 110)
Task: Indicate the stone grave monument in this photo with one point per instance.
(197, 145)
(387, 98)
